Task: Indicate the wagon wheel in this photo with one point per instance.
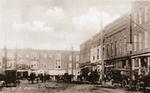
(124, 84)
(137, 86)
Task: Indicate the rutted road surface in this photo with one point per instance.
(53, 87)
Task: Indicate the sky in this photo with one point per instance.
(55, 24)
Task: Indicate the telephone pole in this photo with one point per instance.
(72, 57)
(16, 56)
(131, 42)
(5, 52)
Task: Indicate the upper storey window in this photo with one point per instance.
(135, 18)
(140, 16)
(146, 13)
(135, 42)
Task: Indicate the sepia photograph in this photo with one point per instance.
(74, 46)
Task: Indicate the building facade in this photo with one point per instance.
(85, 51)
(52, 62)
(96, 52)
(116, 42)
(140, 35)
(91, 56)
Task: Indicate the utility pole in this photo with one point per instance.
(101, 48)
(72, 57)
(39, 61)
(16, 57)
(131, 42)
(5, 52)
(5, 58)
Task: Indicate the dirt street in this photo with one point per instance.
(53, 87)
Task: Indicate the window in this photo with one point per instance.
(58, 61)
(136, 62)
(98, 53)
(70, 58)
(91, 54)
(135, 18)
(120, 47)
(77, 65)
(93, 57)
(115, 48)
(144, 62)
(104, 51)
(135, 42)
(50, 56)
(58, 64)
(140, 41)
(146, 13)
(146, 39)
(107, 51)
(70, 65)
(118, 64)
(77, 58)
(125, 44)
(140, 17)
(111, 49)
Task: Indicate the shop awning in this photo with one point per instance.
(57, 72)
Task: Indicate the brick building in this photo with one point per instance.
(124, 43)
(96, 52)
(116, 41)
(53, 62)
(85, 49)
(91, 55)
(140, 32)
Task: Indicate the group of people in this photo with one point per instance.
(37, 78)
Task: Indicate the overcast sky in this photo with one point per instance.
(55, 24)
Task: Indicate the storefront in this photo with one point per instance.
(22, 74)
(141, 63)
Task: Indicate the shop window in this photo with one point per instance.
(136, 62)
(144, 62)
(127, 64)
(118, 64)
(148, 63)
(123, 64)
